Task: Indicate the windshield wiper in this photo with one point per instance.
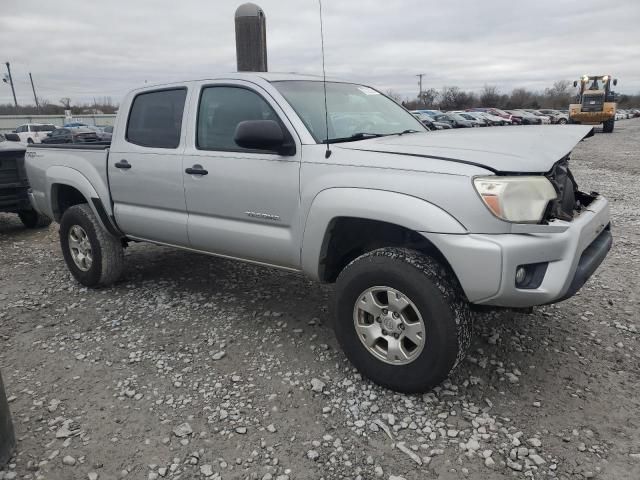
(407, 131)
(355, 136)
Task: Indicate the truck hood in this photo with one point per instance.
(520, 149)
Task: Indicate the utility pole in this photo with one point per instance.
(420, 75)
(13, 90)
(35, 97)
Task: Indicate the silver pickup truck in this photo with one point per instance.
(414, 228)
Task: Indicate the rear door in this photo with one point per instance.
(247, 204)
(145, 167)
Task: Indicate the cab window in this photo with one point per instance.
(220, 111)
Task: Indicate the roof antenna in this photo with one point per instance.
(324, 85)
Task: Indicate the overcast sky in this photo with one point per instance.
(95, 49)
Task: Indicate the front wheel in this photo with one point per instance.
(562, 121)
(32, 219)
(607, 126)
(93, 255)
(402, 319)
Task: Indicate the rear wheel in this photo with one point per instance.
(30, 141)
(562, 121)
(93, 255)
(607, 126)
(32, 219)
(401, 319)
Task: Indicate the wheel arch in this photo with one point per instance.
(68, 187)
(344, 223)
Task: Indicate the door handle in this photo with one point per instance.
(196, 170)
(122, 164)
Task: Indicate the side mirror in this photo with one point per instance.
(48, 134)
(263, 135)
(615, 82)
(575, 83)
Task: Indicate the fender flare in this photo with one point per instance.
(61, 175)
(396, 208)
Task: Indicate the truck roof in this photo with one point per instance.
(257, 77)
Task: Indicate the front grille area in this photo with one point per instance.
(592, 103)
(570, 200)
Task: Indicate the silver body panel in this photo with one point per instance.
(276, 210)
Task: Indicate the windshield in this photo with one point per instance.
(353, 110)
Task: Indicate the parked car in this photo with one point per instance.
(413, 227)
(545, 119)
(431, 123)
(431, 113)
(557, 117)
(455, 120)
(33, 132)
(495, 119)
(491, 120)
(14, 186)
(526, 118)
(477, 121)
(499, 113)
(72, 135)
(104, 132)
(438, 125)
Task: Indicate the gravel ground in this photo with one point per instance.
(198, 367)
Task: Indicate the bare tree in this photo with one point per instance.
(452, 98)
(490, 96)
(428, 97)
(559, 95)
(392, 94)
(66, 103)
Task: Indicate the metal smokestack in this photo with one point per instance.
(251, 38)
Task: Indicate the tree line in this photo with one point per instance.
(45, 107)
(560, 95)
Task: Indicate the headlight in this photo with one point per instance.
(516, 199)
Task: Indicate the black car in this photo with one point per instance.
(72, 135)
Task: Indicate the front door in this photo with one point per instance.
(243, 203)
(145, 169)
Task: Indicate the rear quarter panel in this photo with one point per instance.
(85, 170)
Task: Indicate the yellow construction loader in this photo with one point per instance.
(595, 102)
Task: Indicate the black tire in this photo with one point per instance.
(32, 219)
(107, 252)
(435, 292)
(562, 121)
(607, 126)
(30, 141)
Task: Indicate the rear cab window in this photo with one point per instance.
(155, 118)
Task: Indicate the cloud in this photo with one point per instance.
(86, 49)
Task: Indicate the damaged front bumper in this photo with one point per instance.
(570, 252)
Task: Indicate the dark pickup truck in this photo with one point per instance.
(14, 186)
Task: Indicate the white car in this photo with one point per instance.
(34, 132)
